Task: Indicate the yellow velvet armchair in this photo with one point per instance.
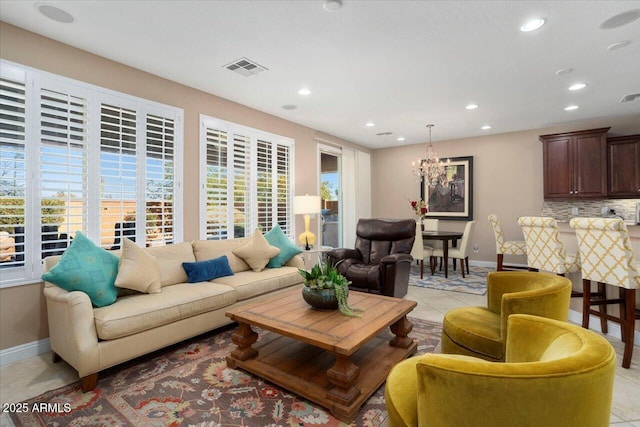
(555, 374)
(482, 331)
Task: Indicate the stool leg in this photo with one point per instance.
(586, 302)
(629, 326)
(602, 290)
(500, 260)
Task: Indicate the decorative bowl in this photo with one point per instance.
(321, 299)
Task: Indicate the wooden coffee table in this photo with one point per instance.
(331, 359)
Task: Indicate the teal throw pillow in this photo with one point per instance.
(207, 270)
(87, 268)
(277, 238)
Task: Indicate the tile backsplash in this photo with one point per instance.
(563, 210)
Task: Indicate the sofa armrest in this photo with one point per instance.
(72, 329)
(296, 261)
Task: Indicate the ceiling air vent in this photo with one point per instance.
(245, 67)
(629, 98)
(384, 133)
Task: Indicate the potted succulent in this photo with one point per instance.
(326, 289)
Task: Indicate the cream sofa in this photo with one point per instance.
(92, 339)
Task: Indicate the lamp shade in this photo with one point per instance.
(306, 204)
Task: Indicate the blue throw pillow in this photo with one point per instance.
(277, 238)
(207, 270)
(88, 268)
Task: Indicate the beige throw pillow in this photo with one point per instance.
(257, 252)
(138, 270)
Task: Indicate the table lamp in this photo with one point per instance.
(306, 205)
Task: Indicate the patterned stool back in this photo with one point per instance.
(544, 249)
(510, 247)
(606, 252)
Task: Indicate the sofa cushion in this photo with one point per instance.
(249, 284)
(209, 249)
(210, 269)
(170, 259)
(257, 251)
(136, 313)
(88, 268)
(278, 239)
(137, 269)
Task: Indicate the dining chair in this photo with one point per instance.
(545, 251)
(419, 251)
(460, 252)
(608, 259)
(505, 247)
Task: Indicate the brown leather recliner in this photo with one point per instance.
(381, 260)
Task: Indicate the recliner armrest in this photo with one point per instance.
(335, 255)
(395, 258)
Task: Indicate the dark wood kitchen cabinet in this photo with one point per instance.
(624, 166)
(575, 164)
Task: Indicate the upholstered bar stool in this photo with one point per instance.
(545, 251)
(608, 258)
(505, 247)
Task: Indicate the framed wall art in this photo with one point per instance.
(450, 197)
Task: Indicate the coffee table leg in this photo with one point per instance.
(342, 375)
(401, 329)
(244, 337)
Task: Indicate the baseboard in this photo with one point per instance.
(492, 264)
(24, 351)
(594, 323)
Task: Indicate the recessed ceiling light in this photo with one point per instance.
(331, 5)
(370, 124)
(562, 71)
(577, 86)
(618, 45)
(304, 91)
(53, 12)
(471, 106)
(571, 107)
(289, 107)
(620, 19)
(400, 138)
(532, 25)
(485, 127)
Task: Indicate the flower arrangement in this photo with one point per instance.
(419, 207)
(325, 276)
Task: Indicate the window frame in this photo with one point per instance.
(35, 81)
(255, 136)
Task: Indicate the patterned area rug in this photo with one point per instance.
(189, 384)
(473, 283)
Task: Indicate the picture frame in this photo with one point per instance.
(452, 197)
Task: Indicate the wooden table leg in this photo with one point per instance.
(401, 329)
(244, 337)
(445, 257)
(342, 375)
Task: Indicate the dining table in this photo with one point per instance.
(445, 237)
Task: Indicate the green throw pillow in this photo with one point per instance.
(88, 268)
(277, 238)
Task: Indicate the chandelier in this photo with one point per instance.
(429, 166)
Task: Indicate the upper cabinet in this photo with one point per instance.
(624, 166)
(575, 164)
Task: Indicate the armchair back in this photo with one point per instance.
(377, 238)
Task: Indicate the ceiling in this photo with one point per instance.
(398, 64)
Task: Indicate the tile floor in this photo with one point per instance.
(33, 376)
